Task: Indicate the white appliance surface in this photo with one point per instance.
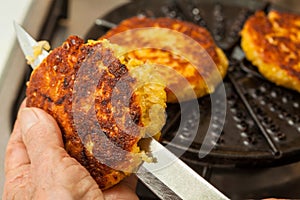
(12, 10)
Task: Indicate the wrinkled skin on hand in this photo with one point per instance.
(38, 167)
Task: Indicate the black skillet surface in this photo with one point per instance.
(262, 125)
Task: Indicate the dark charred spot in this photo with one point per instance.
(115, 177)
(66, 83)
(46, 97)
(291, 71)
(104, 102)
(60, 100)
(117, 69)
(135, 114)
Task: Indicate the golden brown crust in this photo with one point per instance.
(62, 85)
(272, 43)
(199, 76)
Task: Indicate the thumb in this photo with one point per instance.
(40, 133)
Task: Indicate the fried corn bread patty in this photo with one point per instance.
(203, 78)
(98, 105)
(272, 43)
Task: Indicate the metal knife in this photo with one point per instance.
(27, 43)
(168, 177)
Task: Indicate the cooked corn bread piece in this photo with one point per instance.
(37, 50)
(176, 52)
(103, 103)
(272, 43)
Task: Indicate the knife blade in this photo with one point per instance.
(175, 175)
(27, 43)
(168, 177)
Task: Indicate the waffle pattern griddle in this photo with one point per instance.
(262, 124)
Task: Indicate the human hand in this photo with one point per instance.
(38, 167)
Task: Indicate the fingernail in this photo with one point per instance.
(27, 119)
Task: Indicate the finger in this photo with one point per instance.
(41, 135)
(130, 182)
(16, 154)
(124, 190)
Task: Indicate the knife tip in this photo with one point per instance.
(16, 25)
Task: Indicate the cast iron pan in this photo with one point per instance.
(262, 126)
